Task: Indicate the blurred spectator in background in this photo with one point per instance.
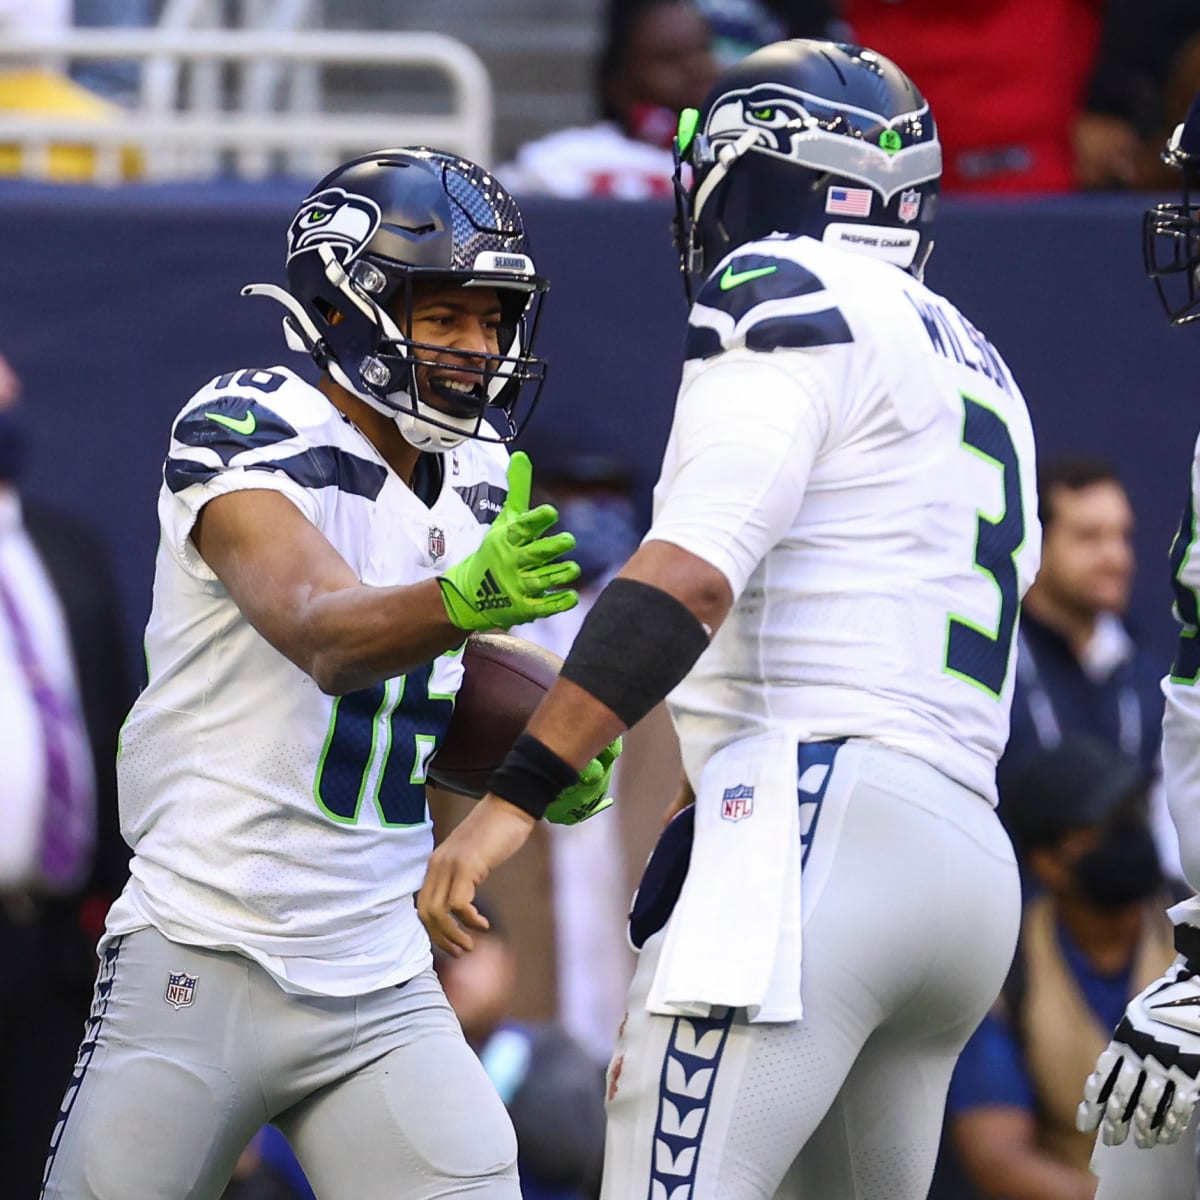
(260, 1175)
(551, 1086)
(32, 87)
(1037, 96)
(1094, 936)
(1078, 668)
(63, 693)
(657, 59)
(1007, 79)
(742, 26)
(1146, 74)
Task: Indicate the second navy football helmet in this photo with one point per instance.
(808, 137)
(360, 241)
(1171, 231)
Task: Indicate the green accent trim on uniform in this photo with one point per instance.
(731, 278)
(333, 715)
(421, 759)
(689, 122)
(242, 425)
(1186, 680)
(890, 141)
(953, 618)
(383, 720)
(362, 786)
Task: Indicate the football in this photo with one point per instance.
(504, 680)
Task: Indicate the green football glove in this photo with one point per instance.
(506, 581)
(590, 795)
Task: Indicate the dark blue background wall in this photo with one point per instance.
(115, 306)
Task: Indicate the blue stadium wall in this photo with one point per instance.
(116, 305)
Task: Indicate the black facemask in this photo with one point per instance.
(1122, 869)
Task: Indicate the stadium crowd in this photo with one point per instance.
(1084, 106)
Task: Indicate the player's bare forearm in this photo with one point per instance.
(693, 581)
(303, 597)
(363, 634)
(997, 1144)
(573, 723)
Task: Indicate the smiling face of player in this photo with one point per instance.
(464, 325)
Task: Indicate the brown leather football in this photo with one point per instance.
(504, 680)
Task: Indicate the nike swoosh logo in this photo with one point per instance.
(244, 425)
(732, 278)
(1175, 1014)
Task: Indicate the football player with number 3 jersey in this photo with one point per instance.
(844, 525)
(1147, 1081)
(324, 553)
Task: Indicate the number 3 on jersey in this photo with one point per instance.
(978, 655)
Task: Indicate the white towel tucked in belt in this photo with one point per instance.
(734, 937)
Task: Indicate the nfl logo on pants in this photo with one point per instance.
(181, 989)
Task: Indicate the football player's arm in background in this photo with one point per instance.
(1148, 1079)
(730, 490)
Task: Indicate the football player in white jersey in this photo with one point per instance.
(843, 529)
(1148, 1078)
(324, 552)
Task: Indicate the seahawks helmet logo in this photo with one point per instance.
(888, 153)
(345, 220)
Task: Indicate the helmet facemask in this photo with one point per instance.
(1171, 232)
(362, 246)
(439, 395)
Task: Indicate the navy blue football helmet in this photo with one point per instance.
(1171, 232)
(359, 242)
(808, 137)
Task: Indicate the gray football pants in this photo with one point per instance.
(379, 1095)
(910, 905)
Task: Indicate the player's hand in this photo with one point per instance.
(492, 832)
(590, 795)
(1147, 1077)
(507, 581)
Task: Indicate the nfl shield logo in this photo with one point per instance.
(437, 543)
(737, 802)
(910, 206)
(181, 989)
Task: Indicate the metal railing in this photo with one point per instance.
(194, 138)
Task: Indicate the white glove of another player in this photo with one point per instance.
(1147, 1077)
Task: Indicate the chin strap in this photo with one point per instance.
(726, 155)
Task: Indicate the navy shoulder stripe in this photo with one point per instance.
(750, 279)
(800, 331)
(485, 500)
(702, 342)
(316, 467)
(230, 424)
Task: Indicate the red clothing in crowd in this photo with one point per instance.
(1006, 80)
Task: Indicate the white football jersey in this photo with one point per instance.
(1181, 688)
(266, 816)
(856, 459)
